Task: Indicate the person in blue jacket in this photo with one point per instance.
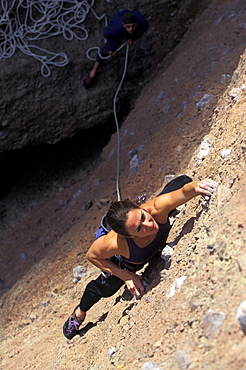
(125, 26)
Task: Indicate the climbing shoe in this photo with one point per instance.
(71, 326)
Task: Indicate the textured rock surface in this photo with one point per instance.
(48, 227)
(37, 109)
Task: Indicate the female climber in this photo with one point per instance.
(131, 238)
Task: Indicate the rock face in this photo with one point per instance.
(46, 228)
(36, 109)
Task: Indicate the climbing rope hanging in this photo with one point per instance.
(117, 125)
(97, 49)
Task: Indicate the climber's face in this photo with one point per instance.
(130, 28)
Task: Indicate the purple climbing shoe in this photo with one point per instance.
(71, 326)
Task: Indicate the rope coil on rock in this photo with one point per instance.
(24, 21)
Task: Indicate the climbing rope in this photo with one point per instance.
(98, 52)
(117, 125)
(97, 49)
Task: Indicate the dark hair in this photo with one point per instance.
(129, 18)
(117, 215)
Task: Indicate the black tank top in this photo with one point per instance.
(142, 255)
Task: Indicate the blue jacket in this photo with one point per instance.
(115, 33)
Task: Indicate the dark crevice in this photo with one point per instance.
(48, 163)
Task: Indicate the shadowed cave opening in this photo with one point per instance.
(39, 165)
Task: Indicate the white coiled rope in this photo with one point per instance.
(23, 22)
